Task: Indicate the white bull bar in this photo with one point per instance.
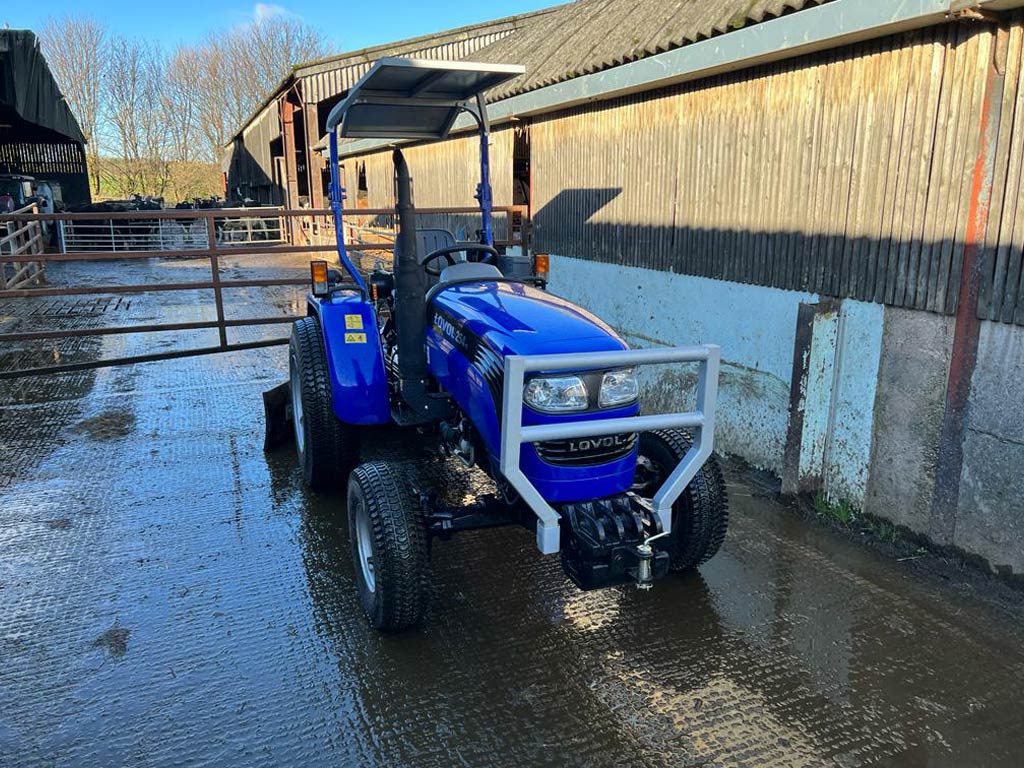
(514, 434)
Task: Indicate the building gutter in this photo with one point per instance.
(834, 24)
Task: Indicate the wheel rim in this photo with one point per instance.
(647, 477)
(364, 546)
(298, 418)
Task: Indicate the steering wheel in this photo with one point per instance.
(488, 255)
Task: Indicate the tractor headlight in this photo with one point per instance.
(619, 388)
(556, 394)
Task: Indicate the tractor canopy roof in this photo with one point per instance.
(414, 98)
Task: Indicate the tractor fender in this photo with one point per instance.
(359, 385)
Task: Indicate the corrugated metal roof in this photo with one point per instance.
(591, 35)
(31, 92)
(323, 82)
(333, 75)
(555, 44)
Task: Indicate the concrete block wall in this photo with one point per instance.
(912, 381)
(989, 519)
(755, 327)
(990, 513)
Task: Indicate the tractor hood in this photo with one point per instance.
(517, 319)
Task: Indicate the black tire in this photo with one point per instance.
(395, 588)
(701, 515)
(328, 448)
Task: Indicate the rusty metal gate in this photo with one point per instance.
(309, 232)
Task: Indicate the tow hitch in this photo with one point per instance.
(645, 557)
(608, 542)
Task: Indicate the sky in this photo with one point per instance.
(348, 24)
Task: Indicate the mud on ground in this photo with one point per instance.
(171, 595)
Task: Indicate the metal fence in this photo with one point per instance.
(182, 232)
(213, 248)
(22, 240)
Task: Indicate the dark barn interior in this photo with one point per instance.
(39, 135)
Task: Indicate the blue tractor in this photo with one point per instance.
(538, 393)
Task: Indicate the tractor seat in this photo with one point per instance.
(430, 240)
(469, 270)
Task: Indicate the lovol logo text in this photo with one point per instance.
(448, 328)
(597, 443)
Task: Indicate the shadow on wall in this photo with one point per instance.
(914, 273)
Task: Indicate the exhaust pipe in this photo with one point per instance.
(410, 286)
(410, 312)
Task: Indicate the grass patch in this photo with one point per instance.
(882, 530)
(843, 512)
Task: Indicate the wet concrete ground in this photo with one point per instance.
(170, 595)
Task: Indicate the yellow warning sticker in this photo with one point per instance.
(355, 338)
(354, 322)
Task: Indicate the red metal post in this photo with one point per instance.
(211, 233)
(964, 355)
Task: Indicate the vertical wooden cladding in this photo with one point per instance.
(1002, 285)
(445, 174)
(846, 173)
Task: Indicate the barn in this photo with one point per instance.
(39, 136)
(272, 159)
(830, 189)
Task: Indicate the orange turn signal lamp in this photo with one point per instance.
(320, 278)
(541, 265)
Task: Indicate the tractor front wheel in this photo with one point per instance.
(389, 546)
(700, 516)
(328, 448)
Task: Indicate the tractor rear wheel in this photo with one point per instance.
(328, 448)
(700, 516)
(389, 539)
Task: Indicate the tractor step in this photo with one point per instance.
(488, 511)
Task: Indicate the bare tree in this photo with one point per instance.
(77, 49)
(274, 46)
(222, 105)
(145, 110)
(137, 114)
(238, 69)
(180, 101)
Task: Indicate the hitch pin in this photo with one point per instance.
(645, 555)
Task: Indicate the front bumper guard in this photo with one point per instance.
(514, 434)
